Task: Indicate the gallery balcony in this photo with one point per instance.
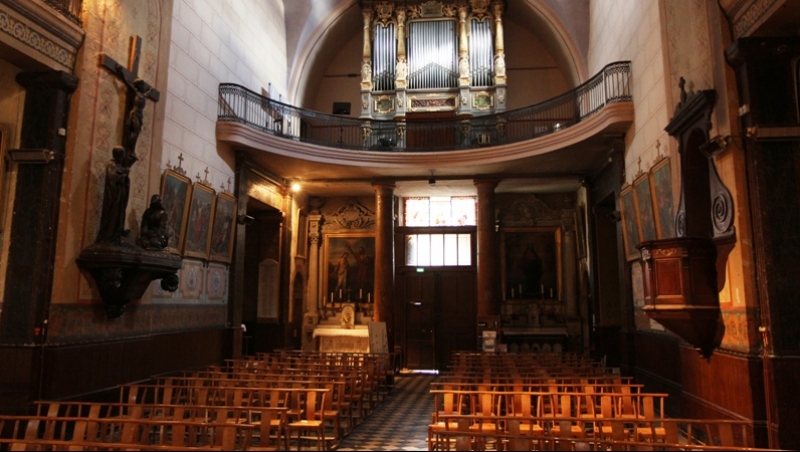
(567, 135)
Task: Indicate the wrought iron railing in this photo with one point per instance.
(238, 104)
(71, 9)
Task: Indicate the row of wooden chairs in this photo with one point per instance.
(473, 432)
(117, 433)
(237, 406)
(563, 402)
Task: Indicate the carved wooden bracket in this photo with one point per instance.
(123, 273)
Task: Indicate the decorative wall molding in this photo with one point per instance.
(352, 215)
(747, 14)
(531, 211)
(36, 26)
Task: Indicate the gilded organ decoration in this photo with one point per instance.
(432, 46)
(384, 12)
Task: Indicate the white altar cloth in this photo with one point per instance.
(338, 339)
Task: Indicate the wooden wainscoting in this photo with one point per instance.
(80, 369)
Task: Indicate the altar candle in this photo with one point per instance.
(542, 290)
(520, 289)
(359, 294)
(340, 294)
(512, 292)
(332, 299)
(551, 292)
(369, 295)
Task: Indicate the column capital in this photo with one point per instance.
(381, 185)
(489, 184)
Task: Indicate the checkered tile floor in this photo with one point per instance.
(401, 422)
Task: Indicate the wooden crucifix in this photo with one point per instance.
(138, 93)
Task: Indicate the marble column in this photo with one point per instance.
(488, 251)
(313, 300)
(570, 260)
(384, 254)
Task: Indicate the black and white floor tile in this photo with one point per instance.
(400, 423)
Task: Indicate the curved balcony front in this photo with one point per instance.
(569, 134)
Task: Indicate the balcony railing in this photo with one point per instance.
(71, 9)
(238, 104)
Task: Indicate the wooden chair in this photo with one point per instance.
(311, 423)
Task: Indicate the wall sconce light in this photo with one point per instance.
(34, 156)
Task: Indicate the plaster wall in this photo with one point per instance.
(631, 30)
(213, 42)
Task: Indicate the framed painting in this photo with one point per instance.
(580, 230)
(349, 270)
(201, 217)
(644, 207)
(176, 195)
(531, 263)
(3, 138)
(661, 187)
(630, 224)
(222, 234)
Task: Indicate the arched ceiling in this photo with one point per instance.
(316, 29)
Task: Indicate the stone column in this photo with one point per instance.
(313, 300)
(488, 251)
(384, 254)
(569, 257)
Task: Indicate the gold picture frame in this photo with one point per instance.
(349, 268)
(644, 208)
(631, 233)
(663, 202)
(176, 195)
(3, 139)
(201, 220)
(223, 232)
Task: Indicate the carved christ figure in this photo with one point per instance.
(134, 119)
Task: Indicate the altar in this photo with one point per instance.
(337, 339)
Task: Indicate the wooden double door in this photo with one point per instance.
(439, 315)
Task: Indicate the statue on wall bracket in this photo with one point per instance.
(121, 269)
